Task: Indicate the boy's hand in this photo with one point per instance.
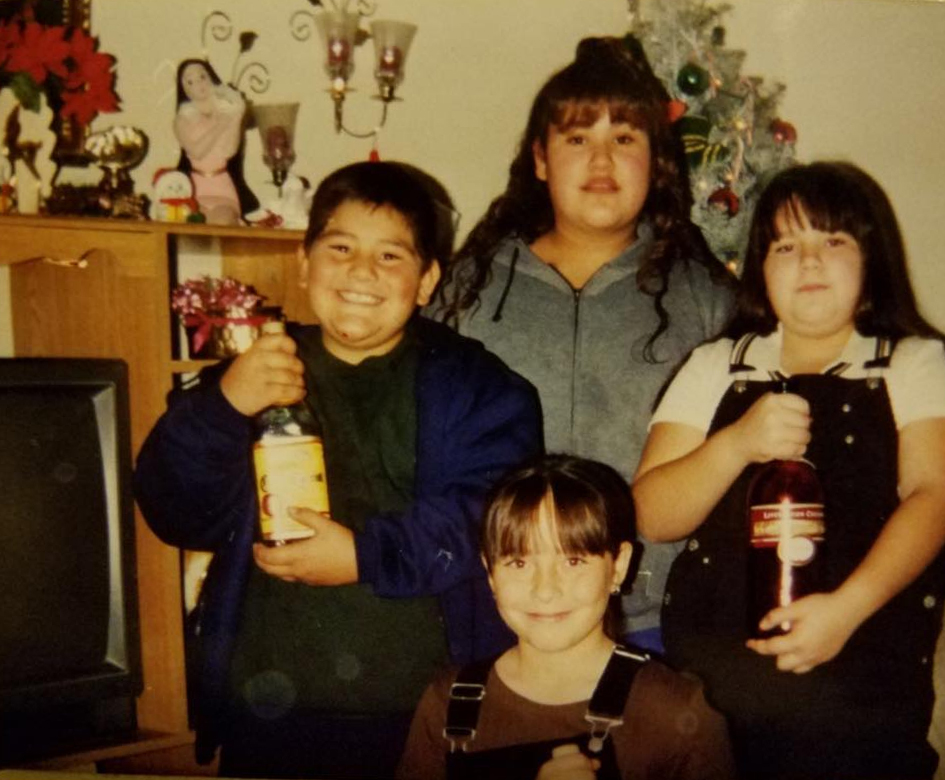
(567, 762)
(267, 374)
(327, 558)
(819, 628)
(775, 427)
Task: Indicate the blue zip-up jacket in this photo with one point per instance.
(194, 483)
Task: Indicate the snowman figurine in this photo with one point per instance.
(174, 199)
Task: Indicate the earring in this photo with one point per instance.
(615, 591)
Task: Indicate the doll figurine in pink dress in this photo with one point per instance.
(209, 129)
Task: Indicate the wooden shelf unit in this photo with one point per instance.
(101, 288)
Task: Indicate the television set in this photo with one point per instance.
(70, 656)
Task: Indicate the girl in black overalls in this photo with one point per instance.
(825, 310)
(565, 702)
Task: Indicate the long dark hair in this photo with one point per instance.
(234, 166)
(593, 510)
(418, 197)
(834, 196)
(609, 74)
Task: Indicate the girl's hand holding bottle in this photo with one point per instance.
(820, 625)
(775, 427)
(267, 374)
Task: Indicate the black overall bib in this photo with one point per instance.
(866, 713)
(516, 762)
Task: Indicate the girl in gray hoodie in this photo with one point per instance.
(587, 276)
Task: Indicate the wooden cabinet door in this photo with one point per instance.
(95, 292)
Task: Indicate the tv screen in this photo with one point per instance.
(69, 649)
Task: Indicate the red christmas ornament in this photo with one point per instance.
(725, 200)
(675, 109)
(783, 132)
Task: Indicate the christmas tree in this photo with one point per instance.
(733, 134)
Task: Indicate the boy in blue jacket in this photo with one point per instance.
(312, 656)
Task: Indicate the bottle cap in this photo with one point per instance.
(272, 326)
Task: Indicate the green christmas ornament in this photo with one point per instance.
(692, 79)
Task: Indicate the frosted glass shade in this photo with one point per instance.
(391, 44)
(338, 31)
(276, 123)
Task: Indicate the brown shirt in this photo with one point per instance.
(669, 731)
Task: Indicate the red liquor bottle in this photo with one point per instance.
(785, 532)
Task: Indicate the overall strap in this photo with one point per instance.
(736, 361)
(882, 355)
(609, 700)
(466, 695)
(737, 364)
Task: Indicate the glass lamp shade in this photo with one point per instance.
(338, 30)
(276, 123)
(391, 43)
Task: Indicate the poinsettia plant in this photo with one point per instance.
(61, 61)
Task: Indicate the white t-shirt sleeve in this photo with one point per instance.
(697, 389)
(916, 380)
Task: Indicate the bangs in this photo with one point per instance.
(567, 114)
(514, 525)
(828, 217)
(829, 203)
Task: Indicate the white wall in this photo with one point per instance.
(864, 82)
(472, 70)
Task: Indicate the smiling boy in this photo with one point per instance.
(311, 661)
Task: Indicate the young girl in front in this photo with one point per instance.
(587, 276)
(845, 689)
(565, 701)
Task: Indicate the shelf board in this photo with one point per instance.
(190, 366)
(148, 226)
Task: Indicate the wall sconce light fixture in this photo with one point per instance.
(340, 32)
(276, 123)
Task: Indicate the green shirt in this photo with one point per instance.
(342, 648)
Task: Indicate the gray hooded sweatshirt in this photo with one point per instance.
(583, 351)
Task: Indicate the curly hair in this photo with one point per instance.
(608, 74)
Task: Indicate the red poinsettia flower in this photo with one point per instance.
(82, 54)
(62, 62)
(42, 50)
(97, 94)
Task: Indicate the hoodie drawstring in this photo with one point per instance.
(497, 316)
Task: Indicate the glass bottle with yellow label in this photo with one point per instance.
(289, 460)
